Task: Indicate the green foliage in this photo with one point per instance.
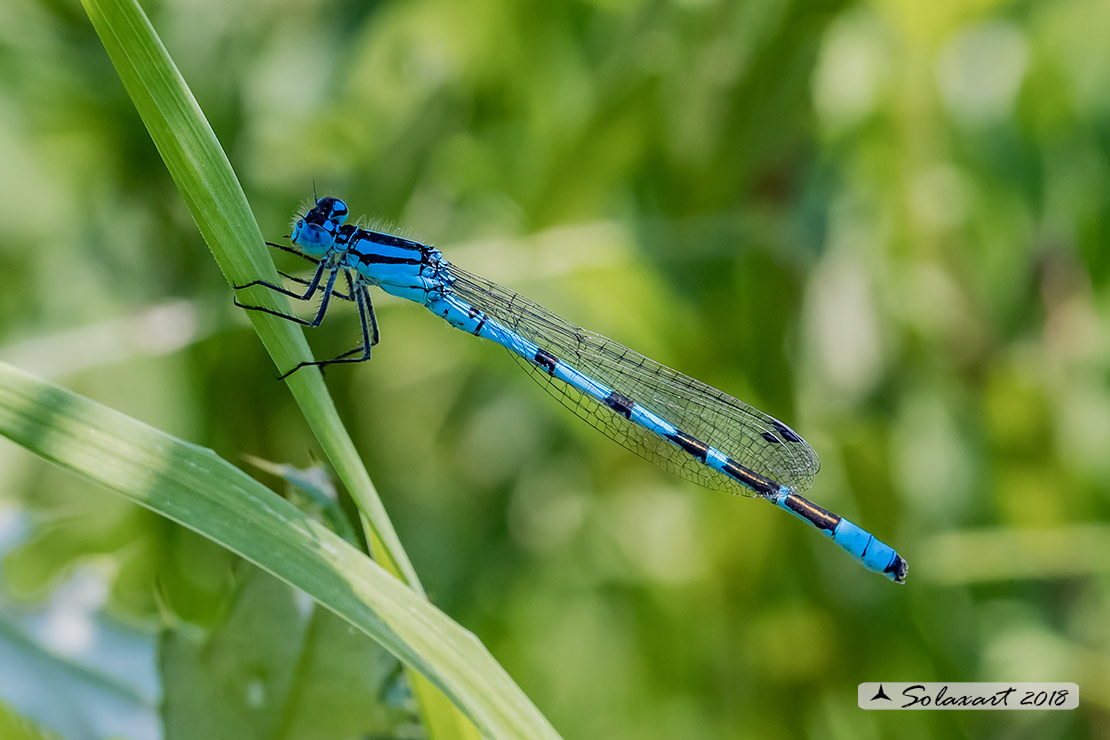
(884, 223)
(194, 487)
(272, 670)
(13, 727)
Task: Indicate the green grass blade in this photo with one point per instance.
(14, 727)
(206, 180)
(196, 488)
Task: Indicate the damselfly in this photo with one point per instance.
(677, 422)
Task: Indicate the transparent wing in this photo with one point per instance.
(749, 436)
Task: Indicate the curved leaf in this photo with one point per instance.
(196, 488)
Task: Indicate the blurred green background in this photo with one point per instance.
(885, 223)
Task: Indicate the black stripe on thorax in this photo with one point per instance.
(371, 258)
(393, 241)
(423, 253)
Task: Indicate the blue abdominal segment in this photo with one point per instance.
(856, 541)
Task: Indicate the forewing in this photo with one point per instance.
(748, 436)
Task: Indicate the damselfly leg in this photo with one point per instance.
(312, 288)
(294, 278)
(335, 293)
(370, 334)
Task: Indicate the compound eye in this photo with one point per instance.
(338, 209)
(331, 209)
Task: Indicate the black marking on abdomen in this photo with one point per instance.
(811, 512)
(621, 404)
(478, 328)
(759, 484)
(546, 360)
(695, 447)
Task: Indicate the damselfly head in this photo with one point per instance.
(315, 232)
(312, 238)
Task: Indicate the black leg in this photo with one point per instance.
(374, 335)
(348, 353)
(365, 310)
(296, 319)
(290, 250)
(302, 281)
(368, 318)
(312, 286)
(286, 275)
